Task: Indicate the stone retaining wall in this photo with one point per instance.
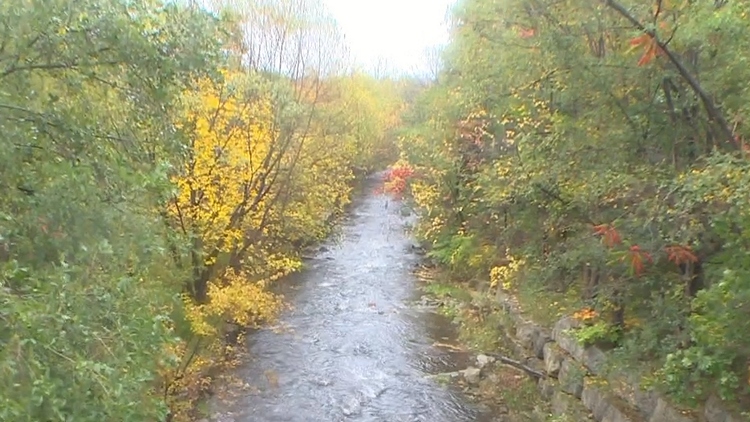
(575, 385)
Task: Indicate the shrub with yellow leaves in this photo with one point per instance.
(503, 276)
(235, 299)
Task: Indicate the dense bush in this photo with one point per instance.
(602, 144)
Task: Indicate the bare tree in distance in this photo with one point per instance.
(292, 38)
(433, 61)
(381, 68)
(300, 42)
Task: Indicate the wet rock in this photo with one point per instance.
(646, 401)
(553, 358)
(472, 375)
(351, 407)
(592, 357)
(564, 338)
(571, 377)
(715, 411)
(502, 409)
(608, 408)
(595, 400)
(527, 334)
(445, 376)
(379, 392)
(629, 389)
(427, 302)
(541, 340)
(664, 412)
(484, 360)
(321, 382)
(616, 414)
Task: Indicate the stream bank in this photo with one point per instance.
(569, 382)
(498, 376)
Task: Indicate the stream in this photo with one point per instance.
(354, 347)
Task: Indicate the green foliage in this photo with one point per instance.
(454, 251)
(718, 340)
(446, 290)
(88, 282)
(597, 333)
(564, 134)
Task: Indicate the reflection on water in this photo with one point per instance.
(352, 348)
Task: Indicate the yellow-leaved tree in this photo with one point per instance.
(223, 194)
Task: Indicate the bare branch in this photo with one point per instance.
(713, 112)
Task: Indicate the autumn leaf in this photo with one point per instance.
(609, 235)
(526, 33)
(680, 254)
(637, 258)
(650, 45)
(586, 315)
(396, 179)
(640, 40)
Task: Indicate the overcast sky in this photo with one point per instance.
(395, 31)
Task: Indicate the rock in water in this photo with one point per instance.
(484, 360)
(352, 406)
(472, 375)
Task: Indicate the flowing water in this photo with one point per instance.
(354, 347)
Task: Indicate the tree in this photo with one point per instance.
(87, 138)
(556, 124)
